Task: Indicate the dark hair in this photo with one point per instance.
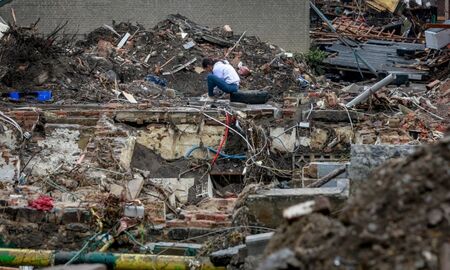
(208, 62)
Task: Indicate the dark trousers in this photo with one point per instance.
(214, 81)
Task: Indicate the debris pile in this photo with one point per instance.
(158, 62)
(398, 218)
(380, 38)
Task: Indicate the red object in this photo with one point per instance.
(244, 71)
(43, 203)
(224, 139)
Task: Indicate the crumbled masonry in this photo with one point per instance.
(109, 154)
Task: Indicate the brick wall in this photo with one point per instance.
(285, 23)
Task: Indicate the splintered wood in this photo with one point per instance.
(357, 30)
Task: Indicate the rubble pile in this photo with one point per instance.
(118, 152)
(376, 38)
(398, 217)
(158, 62)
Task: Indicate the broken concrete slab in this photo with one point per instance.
(223, 257)
(365, 158)
(173, 142)
(257, 243)
(176, 188)
(60, 147)
(9, 165)
(266, 205)
(134, 187)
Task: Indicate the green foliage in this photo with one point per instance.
(313, 59)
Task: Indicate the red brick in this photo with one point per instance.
(212, 217)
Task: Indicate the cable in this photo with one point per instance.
(224, 139)
(227, 156)
(86, 245)
(11, 121)
(190, 151)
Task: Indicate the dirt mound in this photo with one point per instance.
(96, 69)
(398, 219)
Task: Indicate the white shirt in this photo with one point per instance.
(224, 70)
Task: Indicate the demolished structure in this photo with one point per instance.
(107, 147)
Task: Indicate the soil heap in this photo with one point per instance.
(397, 219)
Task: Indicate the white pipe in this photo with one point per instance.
(366, 94)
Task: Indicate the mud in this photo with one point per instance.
(397, 219)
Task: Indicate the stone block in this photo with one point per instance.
(74, 215)
(257, 243)
(365, 158)
(223, 257)
(267, 206)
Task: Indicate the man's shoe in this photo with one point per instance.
(207, 99)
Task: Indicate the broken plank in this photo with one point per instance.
(180, 68)
(327, 178)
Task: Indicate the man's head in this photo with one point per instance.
(208, 64)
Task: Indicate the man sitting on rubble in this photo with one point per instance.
(221, 75)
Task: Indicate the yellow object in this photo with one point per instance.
(43, 258)
(384, 5)
(18, 257)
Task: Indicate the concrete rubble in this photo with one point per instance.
(108, 153)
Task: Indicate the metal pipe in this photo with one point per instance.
(44, 258)
(364, 95)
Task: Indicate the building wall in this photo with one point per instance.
(284, 22)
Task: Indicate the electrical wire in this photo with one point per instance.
(11, 121)
(86, 245)
(224, 139)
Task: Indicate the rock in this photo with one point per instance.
(435, 216)
(227, 31)
(116, 190)
(352, 89)
(41, 78)
(171, 93)
(223, 257)
(111, 75)
(104, 48)
(365, 158)
(283, 259)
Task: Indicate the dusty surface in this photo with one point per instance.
(398, 219)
